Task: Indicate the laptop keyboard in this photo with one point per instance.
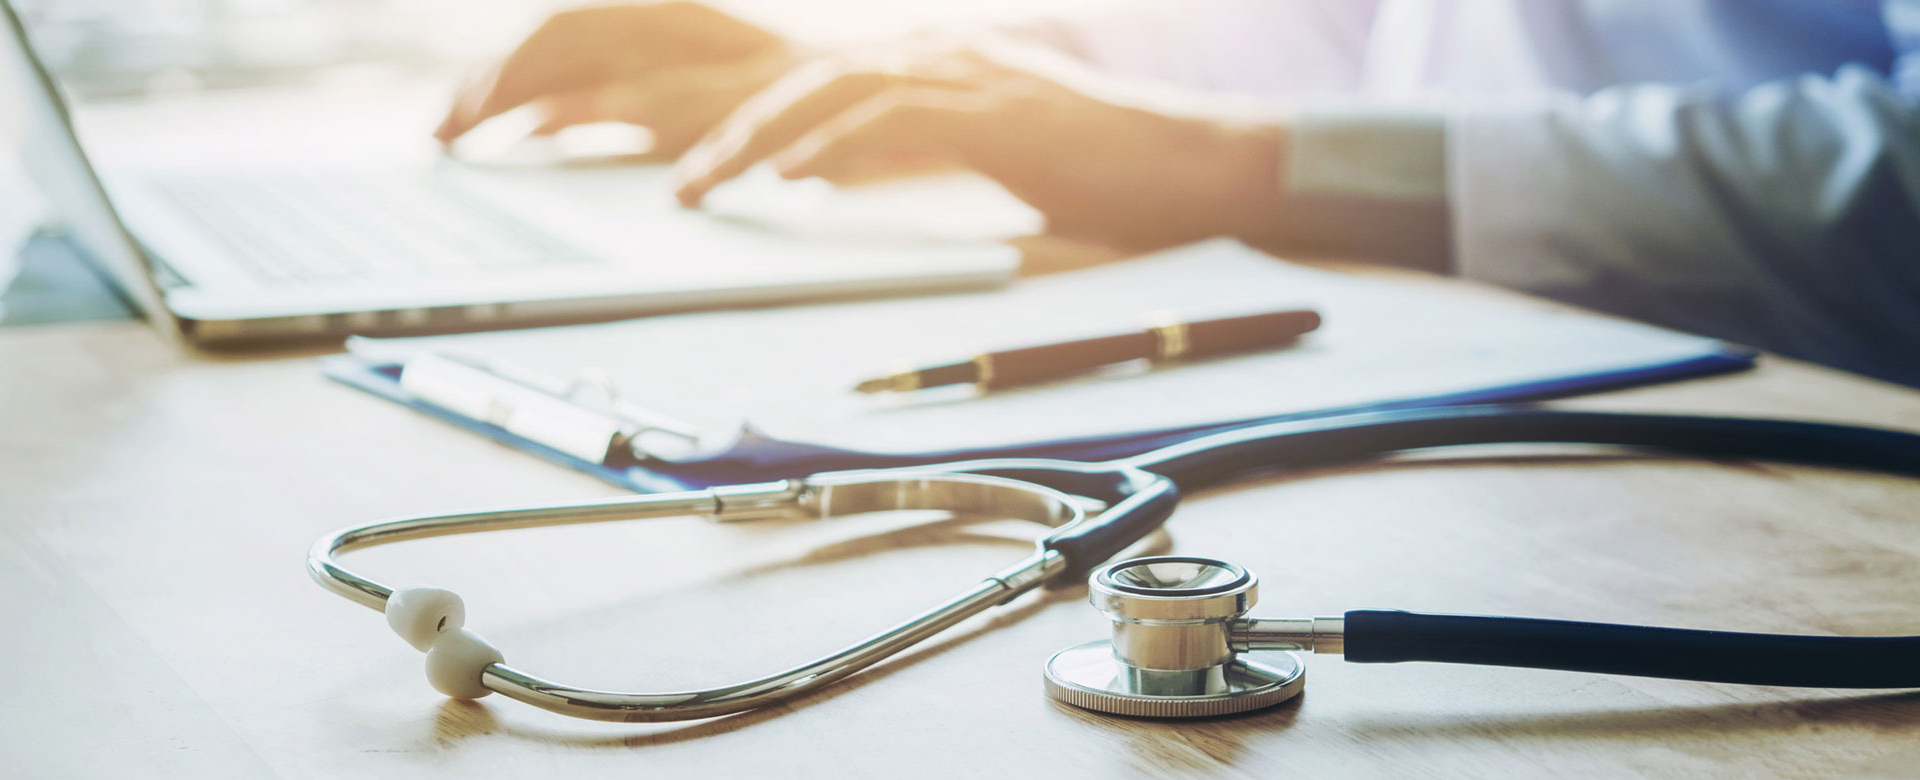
(303, 228)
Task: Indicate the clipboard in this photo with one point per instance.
(756, 457)
(607, 420)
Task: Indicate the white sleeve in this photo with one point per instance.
(1787, 217)
(1268, 48)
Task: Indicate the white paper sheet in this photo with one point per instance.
(790, 371)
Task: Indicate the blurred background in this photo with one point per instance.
(128, 48)
(121, 48)
(123, 61)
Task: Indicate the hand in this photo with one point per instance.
(1108, 169)
(675, 68)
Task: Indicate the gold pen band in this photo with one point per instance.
(1170, 336)
(983, 369)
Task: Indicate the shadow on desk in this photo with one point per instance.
(456, 720)
(1890, 711)
(56, 285)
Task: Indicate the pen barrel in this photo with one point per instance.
(1172, 341)
(1228, 335)
(1047, 362)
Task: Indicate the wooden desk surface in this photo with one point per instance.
(155, 617)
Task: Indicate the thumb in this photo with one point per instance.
(603, 103)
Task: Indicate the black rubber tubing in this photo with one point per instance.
(1378, 636)
(1223, 457)
(1381, 636)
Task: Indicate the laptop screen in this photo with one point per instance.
(35, 118)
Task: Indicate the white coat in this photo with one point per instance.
(1748, 169)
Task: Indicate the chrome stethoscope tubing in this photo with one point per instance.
(1136, 495)
(462, 664)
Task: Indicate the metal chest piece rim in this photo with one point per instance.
(1172, 650)
(1088, 676)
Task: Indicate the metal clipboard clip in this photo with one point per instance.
(584, 417)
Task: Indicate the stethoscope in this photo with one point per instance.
(1182, 644)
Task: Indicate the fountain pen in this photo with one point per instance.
(1166, 338)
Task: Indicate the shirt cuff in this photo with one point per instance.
(1385, 154)
(1370, 184)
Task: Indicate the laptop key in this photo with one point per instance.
(327, 226)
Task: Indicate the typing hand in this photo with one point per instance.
(675, 68)
(1108, 168)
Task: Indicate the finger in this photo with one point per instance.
(463, 114)
(677, 102)
(507, 87)
(562, 53)
(768, 122)
(925, 125)
(502, 89)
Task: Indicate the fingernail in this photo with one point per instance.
(690, 193)
(789, 166)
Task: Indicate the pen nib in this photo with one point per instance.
(871, 386)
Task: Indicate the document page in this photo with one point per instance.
(790, 371)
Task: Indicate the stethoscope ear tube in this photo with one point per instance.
(1137, 502)
(1380, 636)
(1090, 543)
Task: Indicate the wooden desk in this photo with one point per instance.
(155, 617)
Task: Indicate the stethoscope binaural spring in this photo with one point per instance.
(1182, 644)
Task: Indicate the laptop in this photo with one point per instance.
(220, 256)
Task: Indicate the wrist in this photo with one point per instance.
(1252, 159)
(1193, 177)
(1189, 177)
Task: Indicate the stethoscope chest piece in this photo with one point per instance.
(1173, 653)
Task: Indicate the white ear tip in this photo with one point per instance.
(455, 662)
(422, 614)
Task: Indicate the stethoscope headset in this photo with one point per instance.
(1182, 643)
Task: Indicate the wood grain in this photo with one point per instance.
(157, 506)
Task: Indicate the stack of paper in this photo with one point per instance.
(790, 371)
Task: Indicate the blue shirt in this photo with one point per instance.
(1748, 169)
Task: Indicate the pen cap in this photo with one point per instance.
(1249, 332)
